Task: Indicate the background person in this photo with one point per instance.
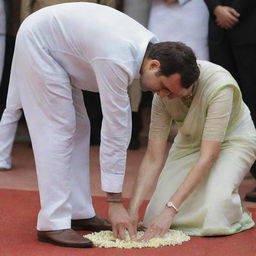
(185, 21)
(2, 35)
(232, 44)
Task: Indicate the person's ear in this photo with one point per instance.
(154, 64)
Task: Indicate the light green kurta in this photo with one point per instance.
(214, 207)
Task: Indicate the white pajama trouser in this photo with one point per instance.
(12, 113)
(8, 125)
(60, 131)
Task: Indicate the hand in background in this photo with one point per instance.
(160, 225)
(120, 221)
(226, 17)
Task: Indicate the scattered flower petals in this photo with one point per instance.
(106, 239)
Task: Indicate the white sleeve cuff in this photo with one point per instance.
(112, 183)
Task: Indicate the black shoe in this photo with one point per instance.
(94, 224)
(5, 169)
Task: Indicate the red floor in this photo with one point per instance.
(23, 175)
(18, 213)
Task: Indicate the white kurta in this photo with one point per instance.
(90, 47)
(185, 21)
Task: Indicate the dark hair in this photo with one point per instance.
(175, 57)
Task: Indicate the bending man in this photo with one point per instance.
(56, 55)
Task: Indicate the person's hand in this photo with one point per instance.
(120, 221)
(226, 17)
(134, 215)
(160, 225)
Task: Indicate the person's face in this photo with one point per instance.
(164, 86)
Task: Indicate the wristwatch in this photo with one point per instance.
(171, 205)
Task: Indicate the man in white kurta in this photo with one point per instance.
(59, 51)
